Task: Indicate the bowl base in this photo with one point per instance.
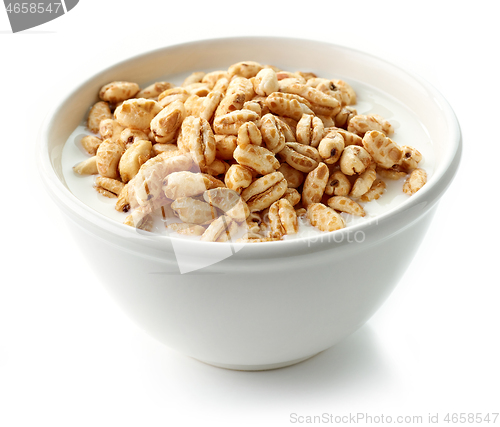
(265, 367)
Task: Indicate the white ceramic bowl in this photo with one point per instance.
(262, 305)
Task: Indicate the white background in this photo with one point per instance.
(69, 357)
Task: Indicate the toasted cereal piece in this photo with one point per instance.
(129, 136)
(328, 121)
(282, 218)
(416, 180)
(221, 229)
(245, 69)
(293, 177)
(222, 198)
(302, 157)
(137, 113)
(108, 187)
(411, 157)
(384, 150)
(91, 143)
(209, 104)
(238, 177)
(324, 217)
(375, 191)
(171, 95)
(249, 133)
(123, 203)
(214, 77)
(283, 75)
(264, 191)
(118, 91)
(194, 105)
(339, 89)
(239, 90)
(225, 146)
(229, 202)
(194, 77)
(320, 102)
(166, 124)
(331, 147)
(110, 129)
(230, 123)
(146, 186)
(292, 195)
(345, 204)
(165, 148)
(188, 184)
(338, 184)
(253, 106)
(315, 184)
(301, 212)
(133, 158)
(200, 141)
(87, 167)
(272, 133)
(393, 173)
(99, 112)
(288, 105)
(257, 158)
(194, 211)
(199, 89)
(349, 137)
(364, 182)
(140, 220)
(108, 157)
(265, 82)
(310, 130)
(153, 91)
(216, 168)
(362, 123)
(354, 159)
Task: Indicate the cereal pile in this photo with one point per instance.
(242, 153)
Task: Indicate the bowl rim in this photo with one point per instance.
(428, 195)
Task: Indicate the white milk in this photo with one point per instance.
(408, 130)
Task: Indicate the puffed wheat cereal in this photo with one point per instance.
(345, 204)
(314, 185)
(383, 150)
(100, 111)
(310, 130)
(261, 193)
(133, 158)
(362, 123)
(376, 190)
(324, 217)
(338, 184)
(108, 157)
(108, 187)
(87, 167)
(251, 153)
(116, 92)
(354, 160)
(91, 144)
(415, 181)
(283, 218)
